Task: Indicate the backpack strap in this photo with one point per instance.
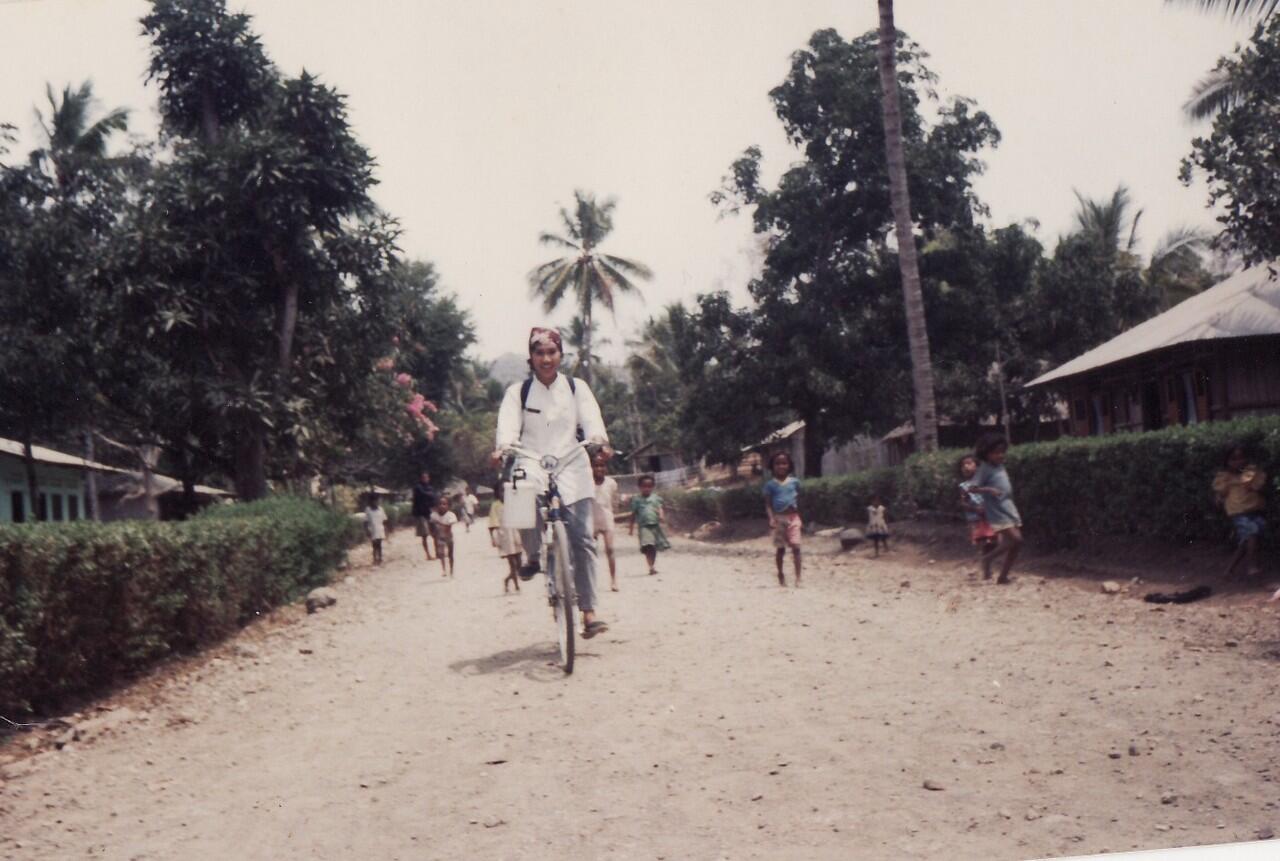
(524, 399)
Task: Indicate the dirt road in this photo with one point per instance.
(722, 717)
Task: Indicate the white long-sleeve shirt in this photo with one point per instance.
(551, 418)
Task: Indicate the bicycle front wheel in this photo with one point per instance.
(564, 597)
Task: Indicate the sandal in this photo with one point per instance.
(593, 628)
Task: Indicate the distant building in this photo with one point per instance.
(654, 457)
(59, 480)
(1212, 357)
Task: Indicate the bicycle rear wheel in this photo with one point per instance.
(564, 597)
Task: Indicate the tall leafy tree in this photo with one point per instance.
(263, 240)
(829, 307)
(1217, 91)
(590, 274)
(1239, 157)
(926, 417)
(61, 214)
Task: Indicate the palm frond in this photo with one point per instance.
(604, 283)
(93, 141)
(1212, 94)
(632, 268)
(621, 282)
(553, 287)
(1261, 9)
(540, 272)
(1133, 231)
(571, 227)
(1192, 238)
(560, 241)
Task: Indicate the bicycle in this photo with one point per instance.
(556, 554)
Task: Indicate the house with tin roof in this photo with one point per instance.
(1212, 357)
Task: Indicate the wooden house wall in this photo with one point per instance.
(1188, 385)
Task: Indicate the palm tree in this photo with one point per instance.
(70, 139)
(1176, 269)
(1108, 223)
(592, 275)
(926, 416)
(1216, 92)
(71, 142)
(576, 338)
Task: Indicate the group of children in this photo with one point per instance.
(986, 498)
(441, 522)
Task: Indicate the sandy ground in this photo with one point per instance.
(722, 717)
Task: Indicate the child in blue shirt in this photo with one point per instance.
(782, 493)
(992, 481)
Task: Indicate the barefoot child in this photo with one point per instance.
(506, 540)
(375, 524)
(1239, 491)
(648, 517)
(877, 526)
(782, 494)
(442, 523)
(992, 481)
(980, 532)
(606, 500)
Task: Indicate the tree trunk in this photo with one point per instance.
(251, 463)
(815, 444)
(149, 455)
(33, 484)
(91, 479)
(288, 322)
(189, 504)
(586, 341)
(926, 418)
(209, 116)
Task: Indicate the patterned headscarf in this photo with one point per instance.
(539, 336)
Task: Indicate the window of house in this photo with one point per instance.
(57, 506)
(18, 507)
(1097, 427)
(1189, 413)
(42, 507)
(73, 507)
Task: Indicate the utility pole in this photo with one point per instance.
(1004, 404)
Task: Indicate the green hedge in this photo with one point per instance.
(1069, 491)
(83, 605)
(1155, 484)
(837, 499)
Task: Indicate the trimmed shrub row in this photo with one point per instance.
(84, 604)
(1069, 491)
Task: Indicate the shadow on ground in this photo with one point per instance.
(537, 662)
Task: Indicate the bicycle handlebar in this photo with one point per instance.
(561, 460)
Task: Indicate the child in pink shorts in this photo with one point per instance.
(782, 493)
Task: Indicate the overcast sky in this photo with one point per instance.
(484, 116)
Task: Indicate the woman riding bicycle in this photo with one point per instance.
(544, 414)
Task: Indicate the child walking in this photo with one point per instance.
(506, 540)
(980, 531)
(1239, 490)
(782, 507)
(877, 528)
(992, 482)
(648, 517)
(375, 524)
(606, 500)
(442, 523)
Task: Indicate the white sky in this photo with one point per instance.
(485, 115)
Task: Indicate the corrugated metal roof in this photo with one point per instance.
(54, 458)
(779, 435)
(1246, 304)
